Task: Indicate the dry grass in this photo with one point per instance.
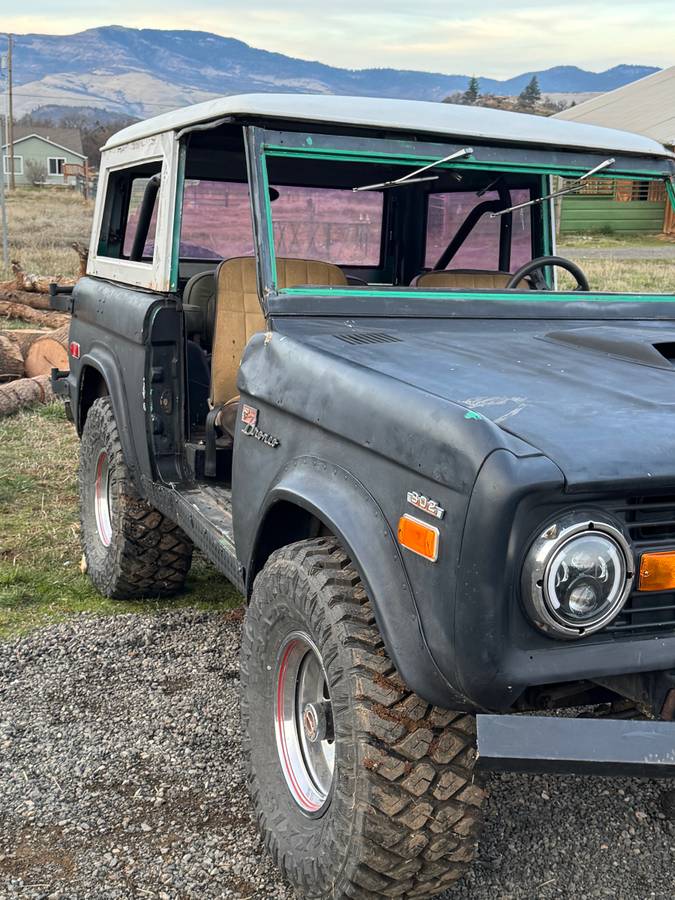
(631, 275)
(43, 223)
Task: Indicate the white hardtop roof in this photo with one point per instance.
(414, 116)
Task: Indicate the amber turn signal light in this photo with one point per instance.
(418, 537)
(657, 571)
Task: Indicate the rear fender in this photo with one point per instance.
(103, 360)
(350, 512)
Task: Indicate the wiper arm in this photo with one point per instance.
(570, 190)
(411, 177)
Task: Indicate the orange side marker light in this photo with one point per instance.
(419, 537)
(657, 571)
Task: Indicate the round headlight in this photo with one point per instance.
(577, 577)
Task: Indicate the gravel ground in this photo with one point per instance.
(120, 777)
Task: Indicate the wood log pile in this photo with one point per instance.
(27, 355)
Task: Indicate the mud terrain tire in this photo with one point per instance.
(130, 549)
(404, 809)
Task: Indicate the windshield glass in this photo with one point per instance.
(455, 224)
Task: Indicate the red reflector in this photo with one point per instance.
(74, 349)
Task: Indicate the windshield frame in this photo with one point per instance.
(263, 143)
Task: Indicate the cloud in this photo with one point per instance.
(488, 37)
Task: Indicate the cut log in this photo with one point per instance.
(11, 360)
(25, 298)
(25, 281)
(47, 353)
(24, 337)
(34, 316)
(24, 393)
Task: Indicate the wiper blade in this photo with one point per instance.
(569, 190)
(411, 177)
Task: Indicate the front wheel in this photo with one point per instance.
(361, 789)
(130, 549)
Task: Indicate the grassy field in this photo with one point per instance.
(40, 577)
(42, 226)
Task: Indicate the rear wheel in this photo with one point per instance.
(361, 789)
(129, 547)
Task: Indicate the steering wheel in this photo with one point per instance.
(536, 265)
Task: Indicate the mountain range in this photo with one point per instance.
(142, 72)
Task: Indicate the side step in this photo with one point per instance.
(205, 515)
(565, 746)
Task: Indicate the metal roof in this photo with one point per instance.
(647, 106)
(412, 116)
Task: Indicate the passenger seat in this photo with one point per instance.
(237, 316)
(465, 280)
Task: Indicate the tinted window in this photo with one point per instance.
(216, 222)
(480, 250)
(137, 192)
(121, 215)
(334, 225)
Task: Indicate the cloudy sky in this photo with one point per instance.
(494, 38)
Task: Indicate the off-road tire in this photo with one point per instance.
(405, 808)
(147, 555)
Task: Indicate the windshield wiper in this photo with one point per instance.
(575, 187)
(411, 177)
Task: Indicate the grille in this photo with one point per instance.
(650, 521)
(367, 337)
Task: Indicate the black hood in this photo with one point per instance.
(597, 399)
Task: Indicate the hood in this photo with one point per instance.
(597, 399)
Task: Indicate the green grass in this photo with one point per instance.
(40, 576)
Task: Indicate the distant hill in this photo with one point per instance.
(142, 72)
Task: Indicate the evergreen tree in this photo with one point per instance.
(472, 93)
(530, 95)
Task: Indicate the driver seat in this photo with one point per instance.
(465, 280)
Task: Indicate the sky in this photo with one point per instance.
(486, 37)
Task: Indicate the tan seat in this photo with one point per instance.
(465, 280)
(238, 315)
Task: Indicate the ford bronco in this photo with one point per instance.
(325, 340)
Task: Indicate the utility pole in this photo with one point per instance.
(10, 114)
(3, 206)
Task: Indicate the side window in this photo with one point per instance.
(480, 249)
(216, 220)
(328, 224)
(129, 221)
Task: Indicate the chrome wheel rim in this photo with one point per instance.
(303, 723)
(102, 499)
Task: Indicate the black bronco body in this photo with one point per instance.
(322, 340)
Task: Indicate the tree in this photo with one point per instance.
(531, 94)
(472, 93)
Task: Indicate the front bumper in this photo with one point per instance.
(566, 746)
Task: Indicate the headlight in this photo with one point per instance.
(577, 577)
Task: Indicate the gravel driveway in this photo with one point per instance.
(120, 777)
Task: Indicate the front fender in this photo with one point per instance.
(350, 512)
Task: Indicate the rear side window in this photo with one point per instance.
(216, 220)
(330, 224)
(480, 250)
(131, 204)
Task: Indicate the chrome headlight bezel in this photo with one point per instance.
(536, 570)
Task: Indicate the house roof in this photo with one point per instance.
(646, 106)
(65, 138)
(411, 116)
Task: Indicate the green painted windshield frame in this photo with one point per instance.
(511, 296)
(405, 159)
(392, 293)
